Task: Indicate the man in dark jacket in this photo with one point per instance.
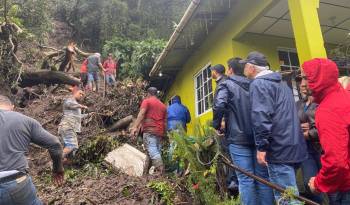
(232, 103)
(332, 122)
(278, 137)
(218, 74)
(178, 114)
(306, 113)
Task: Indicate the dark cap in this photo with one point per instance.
(152, 90)
(218, 68)
(255, 58)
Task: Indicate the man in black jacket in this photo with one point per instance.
(232, 103)
(306, 113)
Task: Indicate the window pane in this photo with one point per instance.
(205, 75)
(210, 86)
(285, 68)
(198, 81)
(294, 59)
(211, 100)
(283, 57)
(199, 107)
(207, 103)
(198, 95)
(208, 71)
(206, 88)
(202, 107)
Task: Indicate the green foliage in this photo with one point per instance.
(137, 57)
(129, 19)
(288, 195)
(164, 189)
(12, 14)
(202, 179)
(94, 151)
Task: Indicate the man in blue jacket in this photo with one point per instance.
(178, 114)
(232, 103)
(278, 136)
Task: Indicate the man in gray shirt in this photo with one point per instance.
(17, 131)
(71, 123)
(94, 64)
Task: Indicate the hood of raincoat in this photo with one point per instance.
(241, 81)
(322, 76)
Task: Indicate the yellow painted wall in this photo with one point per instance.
(268, 45)
(214, 51)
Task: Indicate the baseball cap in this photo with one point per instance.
(152, 90)
(218, 68)
(255, 58)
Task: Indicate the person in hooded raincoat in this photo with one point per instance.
(333, 124)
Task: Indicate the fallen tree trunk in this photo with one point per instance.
(47, 78)
(121, 124)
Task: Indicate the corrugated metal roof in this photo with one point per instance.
(188, 36)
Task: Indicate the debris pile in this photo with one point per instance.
(90, 180)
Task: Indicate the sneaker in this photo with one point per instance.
(232, 186)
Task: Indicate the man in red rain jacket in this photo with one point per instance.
(333, 124)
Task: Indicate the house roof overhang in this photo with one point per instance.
(202, 16)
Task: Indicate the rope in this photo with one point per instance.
(228, 162)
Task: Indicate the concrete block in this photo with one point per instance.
(129, 160)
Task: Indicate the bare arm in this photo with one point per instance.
(101, 67)
(140, 117)
(46, 140)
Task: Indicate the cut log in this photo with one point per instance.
(82, 53)
(121, 124)
(129, 160)
(47, 78)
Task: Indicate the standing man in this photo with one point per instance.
(178, 114)
(111, 68)
(278, 137)
(94, 64)
(232, 103)
(16, 133)
(178, 118)
(218, 74)
(332, 122)
(71, 123)
(84, 74)
(306, 113)
(153, 118)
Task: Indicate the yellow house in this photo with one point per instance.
(288, 32)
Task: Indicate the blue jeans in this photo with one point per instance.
(93, 77)
(153, 146)
(22, 193)
(284, 176)
(251, 192)
(110, 79)
(310, 168)
(339, 198)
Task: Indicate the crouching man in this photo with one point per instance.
(71, 123)
(153, 117)
(16, 133)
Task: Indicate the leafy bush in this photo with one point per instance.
(137, 57)
(95, 150)
(201, 152)
(164, 189)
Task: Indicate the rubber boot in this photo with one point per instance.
(159, 166)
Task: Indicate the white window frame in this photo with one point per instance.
(294, 84)
(209, 78)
